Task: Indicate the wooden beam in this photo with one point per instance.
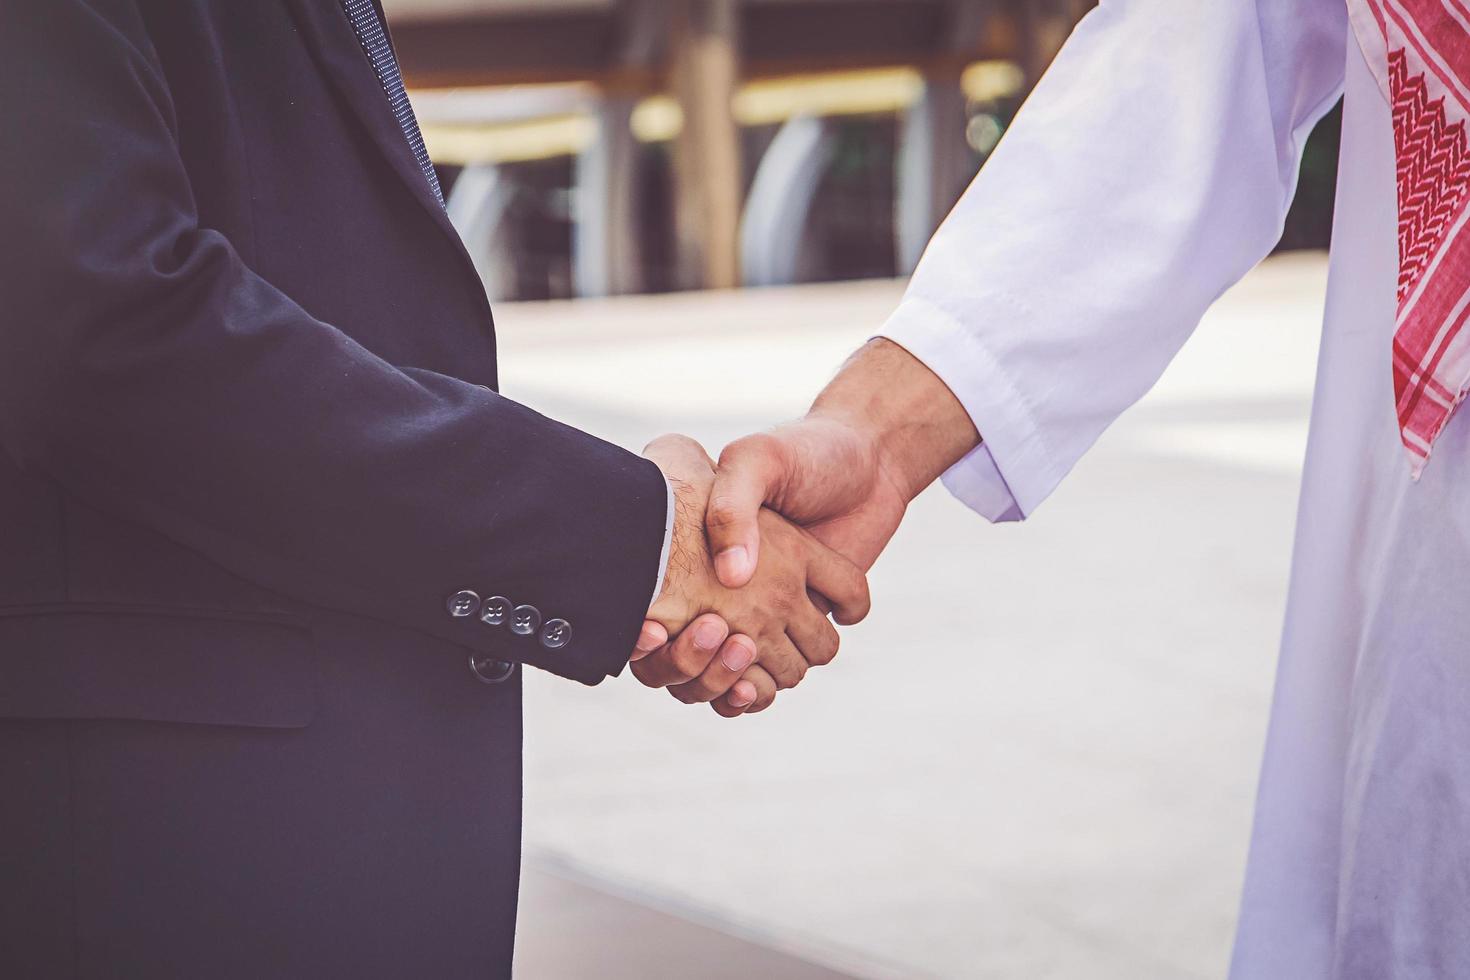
(513, 49)
(775, 39)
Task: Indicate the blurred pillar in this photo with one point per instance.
(934, 161)
(933, 165)
(605, 254)
(704, 59)
(932, 169)
(477, 208)
(606, 257)
(772, 230)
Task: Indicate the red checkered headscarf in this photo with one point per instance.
(1420, 51)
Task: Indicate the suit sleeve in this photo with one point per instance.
(1150, 170)
(145, 368)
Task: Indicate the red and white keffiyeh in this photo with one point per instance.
(1420, 52)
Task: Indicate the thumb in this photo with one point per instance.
(748, 474)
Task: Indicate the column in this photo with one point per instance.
(704, 59)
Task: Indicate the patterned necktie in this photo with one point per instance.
(1420, 52)
(374, 40)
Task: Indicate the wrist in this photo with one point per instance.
(686, 539)
(901, 412)
(689, 472)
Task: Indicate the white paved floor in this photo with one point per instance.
(1037, 758)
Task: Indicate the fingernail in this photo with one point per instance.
(742, 694)
(732, 562)
(648, 641)
(737, 657)
(708, 635)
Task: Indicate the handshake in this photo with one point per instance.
(780, 533)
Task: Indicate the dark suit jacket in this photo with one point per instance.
(247, 409)
(242, 348)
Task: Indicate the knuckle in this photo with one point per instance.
(646, 673)
(701, 690)
(854, 607)
(782, 597)
(738, 450)
(685, 663)
(724, 511)
(854, 585)
(825, 648)
(790, 674)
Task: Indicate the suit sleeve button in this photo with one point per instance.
(525, 620)
(495, 611)
(556, 634)
(463, 604)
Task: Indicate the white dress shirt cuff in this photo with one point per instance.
(1011, 472)
(663, 558)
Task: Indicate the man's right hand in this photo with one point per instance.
(882, 431)
(780, 613)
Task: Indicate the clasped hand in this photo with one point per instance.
(761, 637)
(736, 628)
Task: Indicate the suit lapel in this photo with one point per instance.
(332, 40)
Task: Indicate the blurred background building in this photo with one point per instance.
(602, 147)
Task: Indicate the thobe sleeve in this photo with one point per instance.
(1152, 168)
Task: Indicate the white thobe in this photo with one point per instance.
(1151, 169)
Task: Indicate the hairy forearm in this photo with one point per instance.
(914, 422)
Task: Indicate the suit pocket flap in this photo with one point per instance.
(149, 667)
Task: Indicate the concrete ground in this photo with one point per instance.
(574, 926)
(1036, 758)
